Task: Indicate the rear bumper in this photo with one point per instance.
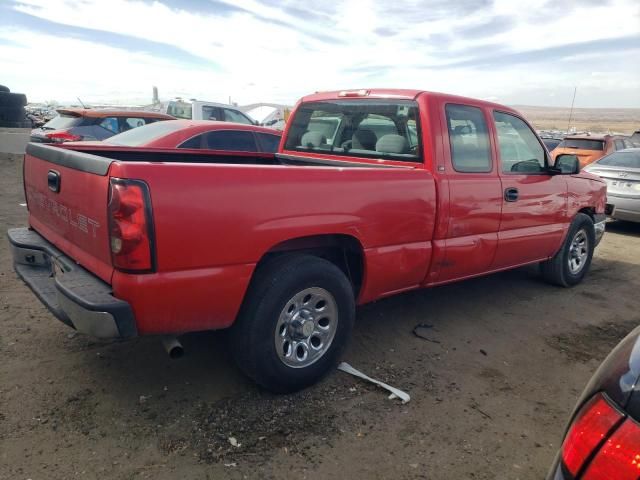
(74, 295)
(622, 208)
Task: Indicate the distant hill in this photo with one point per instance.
(595, 120)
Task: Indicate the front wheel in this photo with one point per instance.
(295, 321)
(571, 263)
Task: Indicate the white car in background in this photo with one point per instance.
(621, 171)
(202, 110)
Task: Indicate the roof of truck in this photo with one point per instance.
(396, 94)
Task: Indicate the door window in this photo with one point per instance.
(237, 117)
(211, 113)
(132, 122)
(520, 150)
(468, 138)
(238, 141)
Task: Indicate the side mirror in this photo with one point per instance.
(567, 164)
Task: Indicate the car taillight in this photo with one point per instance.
(619, 457)
(130, 226)
(590, 430)
(62, 136)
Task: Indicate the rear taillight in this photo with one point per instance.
(130, 226)
(60, 136)
(619, 457)
(602, 443)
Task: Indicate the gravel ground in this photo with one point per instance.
(491, 386)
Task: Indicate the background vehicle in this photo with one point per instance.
(371, 193)
(201, 110)
(196, 134)
(590, 148)
(551, 142)
(603, 439)
(75, 124)
(621, 171)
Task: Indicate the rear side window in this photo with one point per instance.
(357, 128)
(238, 141)
(582, 144)
(520, 150)
(110, 124)
(268, 143)
(619, 145)
(468, 139)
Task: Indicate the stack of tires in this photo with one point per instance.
(12, 114)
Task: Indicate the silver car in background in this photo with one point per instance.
(621, 170)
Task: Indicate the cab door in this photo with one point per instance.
(475, 193)
(534, 202)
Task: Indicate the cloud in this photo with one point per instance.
(279, 50)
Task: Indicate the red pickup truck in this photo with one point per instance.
(372, 192)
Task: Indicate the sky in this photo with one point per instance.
(516, 52)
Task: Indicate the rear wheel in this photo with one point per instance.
(295, 321)
(571, 263)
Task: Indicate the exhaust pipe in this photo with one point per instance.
(173, 347)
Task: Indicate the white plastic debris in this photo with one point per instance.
(234, 442)
(395, 393)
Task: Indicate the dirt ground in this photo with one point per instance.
(490, 391)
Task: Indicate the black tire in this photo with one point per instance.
(275, 284)
(12, 114)
(558, 269)
(4, 89)
(12, 99)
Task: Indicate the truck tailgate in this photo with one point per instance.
(67, 194)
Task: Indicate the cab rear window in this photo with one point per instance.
(582, 144)
(374, 129)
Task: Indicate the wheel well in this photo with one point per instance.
(344, 251)
(588, 211)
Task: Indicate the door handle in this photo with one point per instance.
(511, 194)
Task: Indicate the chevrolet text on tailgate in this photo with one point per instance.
(372, 192)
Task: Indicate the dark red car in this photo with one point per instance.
(194, 135)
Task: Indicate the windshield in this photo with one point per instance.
(357, 128)
(621, 159)
(582, 144)
(63, 121)
(140, 136)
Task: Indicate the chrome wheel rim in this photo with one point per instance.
(578, 252)
(306, 327)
